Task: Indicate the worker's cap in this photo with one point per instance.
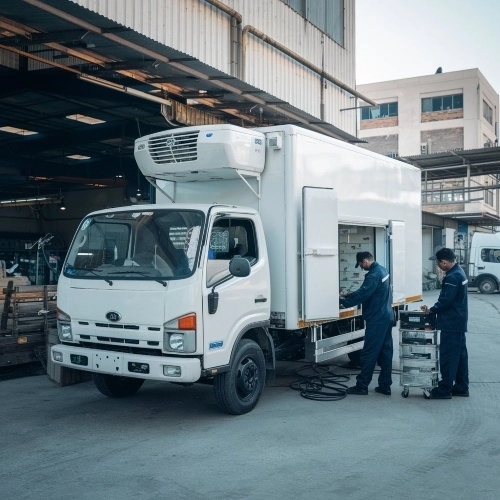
(361, 256)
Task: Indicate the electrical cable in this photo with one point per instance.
(320, 385)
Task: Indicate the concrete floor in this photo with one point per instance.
(171, 442)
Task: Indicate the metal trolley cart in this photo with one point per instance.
(418, 351)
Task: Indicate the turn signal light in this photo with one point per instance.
(187, 322)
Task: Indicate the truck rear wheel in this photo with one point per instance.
(238, 390)
(117, 387)
(487, 285)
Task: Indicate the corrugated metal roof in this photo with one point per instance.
(42, 56)
(457, 164)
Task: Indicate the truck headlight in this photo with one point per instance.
(179, 334)
(64, 326)
(176, 341)
(64, 331)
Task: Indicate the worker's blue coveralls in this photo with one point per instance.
(452, 313)
(376, 296)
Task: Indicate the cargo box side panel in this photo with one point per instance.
(372, 190)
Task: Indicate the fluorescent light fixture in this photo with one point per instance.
(85, 119)
(19, 131)
(78, 157)
(35, 200)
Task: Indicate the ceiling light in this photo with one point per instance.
(19, 131)
(35, 200)
(62, 206)
(78, 157)
(85, 119)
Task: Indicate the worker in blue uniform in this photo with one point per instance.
(451, 318)
(376, 297)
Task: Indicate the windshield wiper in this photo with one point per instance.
(92, 271)
(162, 282)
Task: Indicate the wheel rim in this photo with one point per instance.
(247, 379)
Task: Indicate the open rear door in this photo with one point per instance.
(320, 259)
(398, 262)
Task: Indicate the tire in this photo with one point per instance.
(487, 285)
(238, 390)
(117, 387)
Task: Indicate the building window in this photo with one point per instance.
(442, 103)
(488, 197)
(487, 112)
(381, 111)
(326, 15)
(438, 192)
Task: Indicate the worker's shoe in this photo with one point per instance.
(463, 394)
(357, 390)
(437, 394)
(383, 390)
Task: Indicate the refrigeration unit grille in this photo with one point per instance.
(174, 148)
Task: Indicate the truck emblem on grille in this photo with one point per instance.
(170, 142)
(113, 316)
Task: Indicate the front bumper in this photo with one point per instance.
(118, 363)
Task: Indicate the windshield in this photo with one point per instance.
(148, 244)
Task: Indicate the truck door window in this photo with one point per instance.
(228, 238)
(490, 255)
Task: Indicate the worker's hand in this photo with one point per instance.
(425, 309)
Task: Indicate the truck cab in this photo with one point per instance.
(168, 293)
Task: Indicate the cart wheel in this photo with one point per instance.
(405, 392)
(427, 393)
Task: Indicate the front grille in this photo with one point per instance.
(121, 348)
(118, 341)
(114, 325)
(174, 148)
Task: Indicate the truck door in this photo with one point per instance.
(241, 301)
(320, 255)
(397, 256)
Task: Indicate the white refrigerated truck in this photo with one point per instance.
(239, 263)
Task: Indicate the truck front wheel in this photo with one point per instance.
(487, 285)
(117, 387)
(238, 390)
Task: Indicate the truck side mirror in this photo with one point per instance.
(239, 267)
(213, 302)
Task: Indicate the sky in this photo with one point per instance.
(406, 38)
